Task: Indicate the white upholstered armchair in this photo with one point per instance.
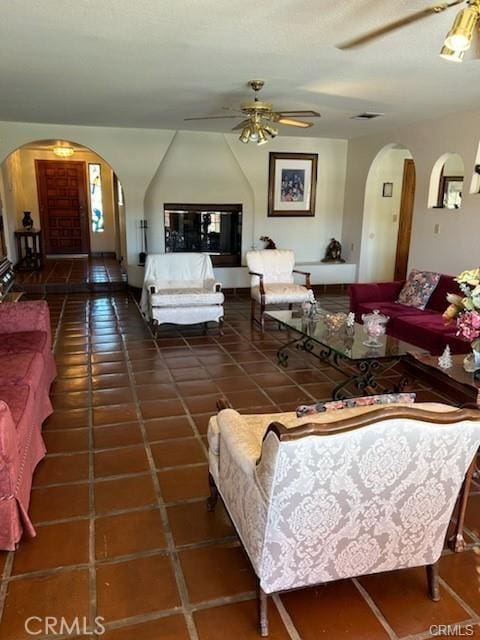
(343, 493)
(180, 288)
(272, 282)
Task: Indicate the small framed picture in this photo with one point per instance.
(387, 191)
(292, 184)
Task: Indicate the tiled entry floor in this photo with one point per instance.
(119, 507)
(62, 275)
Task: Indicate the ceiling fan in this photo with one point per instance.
(457, 41)
(257, 127)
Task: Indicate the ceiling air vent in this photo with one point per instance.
(368, 115)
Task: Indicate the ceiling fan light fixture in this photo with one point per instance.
(262, 138)
(459, 38)
(451, 55)
(293, 123)
(245, 135)
(272, 132)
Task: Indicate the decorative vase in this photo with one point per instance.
(471, 362)
(27, 221)
(374, 325)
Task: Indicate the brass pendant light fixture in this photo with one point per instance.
(459, 38)
(63, 150)
(457, 41)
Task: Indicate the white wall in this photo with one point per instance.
(381, 216)
(3, 213)
(456, 246)
(198, 168)
(13, 200)
(217, 168)
(308, 236)
(136, 154)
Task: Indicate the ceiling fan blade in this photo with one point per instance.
(291, 122)
(241, 125)
(209, 118)
(299, 113)
(398, 24)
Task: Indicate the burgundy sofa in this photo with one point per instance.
(425, 329)
(27, 369)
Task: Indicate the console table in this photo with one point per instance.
(29, 250)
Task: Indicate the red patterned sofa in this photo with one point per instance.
(27, 369)
(425, 329)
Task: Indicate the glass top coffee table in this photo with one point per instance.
(344, 350)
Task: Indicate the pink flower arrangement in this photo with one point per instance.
(468, 325)
(465, 308)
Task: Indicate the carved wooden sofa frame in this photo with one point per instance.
(284, 434)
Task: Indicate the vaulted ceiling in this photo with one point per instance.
(151, 63)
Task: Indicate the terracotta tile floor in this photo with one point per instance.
(119, 502)
(73, 274)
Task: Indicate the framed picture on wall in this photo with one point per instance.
(292, 184)
(387, 191)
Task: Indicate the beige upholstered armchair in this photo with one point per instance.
(343, 493)
(180, 288)
(273, 281)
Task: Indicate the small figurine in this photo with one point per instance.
(350, 319)
(270, 244)
(445, 360)
(310, 306)
(333, 252)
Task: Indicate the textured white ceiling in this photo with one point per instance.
(150, 63)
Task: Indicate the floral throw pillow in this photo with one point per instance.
(349, 403)
(418, 288)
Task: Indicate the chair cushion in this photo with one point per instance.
(276, 265)
(186, 297)
(16, 398)
(27, 367)
(418, 288)
(22, 341)
(438, 299)
(430, 332)
(278, 293)
(391, 309)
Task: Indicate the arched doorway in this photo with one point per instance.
(446, 182)
(387, 218)
(74, 197)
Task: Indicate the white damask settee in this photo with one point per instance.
(343, 493)
(272, 281)
(180, 288)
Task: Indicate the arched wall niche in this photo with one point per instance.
(447, 182)
(381, 213)
(475, 181)
(18, 191)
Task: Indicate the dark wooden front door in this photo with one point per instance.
(405, 220)
(62, 198)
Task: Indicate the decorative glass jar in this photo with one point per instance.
(375, 326)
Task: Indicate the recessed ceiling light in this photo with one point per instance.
(368, 115)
